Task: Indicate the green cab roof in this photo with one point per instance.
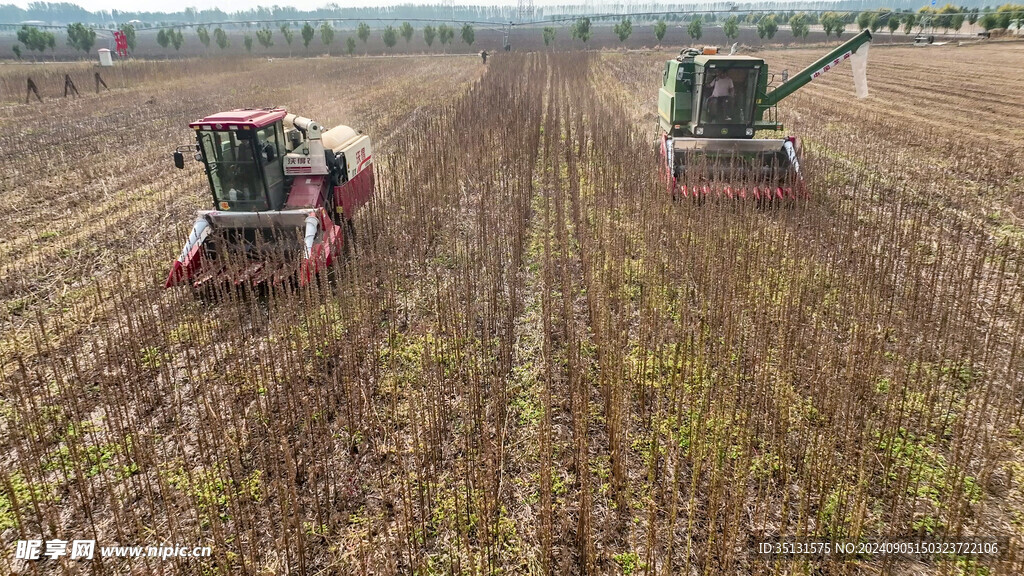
(726, 59)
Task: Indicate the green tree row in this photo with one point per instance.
(581, 29)
(390, 35)
(948, 17)
(83, 38)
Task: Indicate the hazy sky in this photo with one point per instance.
(235, 5)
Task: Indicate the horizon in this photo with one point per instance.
(229, 6)
(242, 5)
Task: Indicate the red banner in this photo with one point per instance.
(121, 43)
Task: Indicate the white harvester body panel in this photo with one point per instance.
(352, 144)
(338, 136)
(299, 164)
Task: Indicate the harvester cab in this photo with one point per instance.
(284, 192)
(708, 95)
(244, 160)
(711, 106)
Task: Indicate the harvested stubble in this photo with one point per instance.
(536, 362)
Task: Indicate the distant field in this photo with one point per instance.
(533, 361)
(487, 38)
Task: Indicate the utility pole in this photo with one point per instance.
(525, 11)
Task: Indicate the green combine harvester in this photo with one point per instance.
(711, 106)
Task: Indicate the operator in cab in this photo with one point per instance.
(722, 92)
(240, 182)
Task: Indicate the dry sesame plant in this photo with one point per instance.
(532, 360)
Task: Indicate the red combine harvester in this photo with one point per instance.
(285, 192)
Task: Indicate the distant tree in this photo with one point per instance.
(468, 35)
(623, 29)
(288, 35)
(944, 17)
(828, 22)
(350, 45)
(880, 19)
(429, 32)
(549, 35)
(893, 23)
(659, 29)
(363, 31)
(798, 24)
(406, 31)
(177, 39)
(390, 36)
(204, 36)
(247, 41)
(17, 51)
(35, 39)
(81, 37)
(1002, 18)
(972, 16)
(956, 21)
(445, 34)
(162, 39)
(864, 20)
(327, 35)
(307, 33)
(925, 18)
(908, 20)
(221, 37)
(1008, 13)
(129, 35)
(265, 37)
(731, 27)
(580, 29)
(988, 21)
(840, 25)
(695, 29)
(767, 27)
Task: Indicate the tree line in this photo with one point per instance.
(65, 12)
(83, 38)
(949, 17)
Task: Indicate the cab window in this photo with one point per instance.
(233, 168)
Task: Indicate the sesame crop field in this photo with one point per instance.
(532, 360)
